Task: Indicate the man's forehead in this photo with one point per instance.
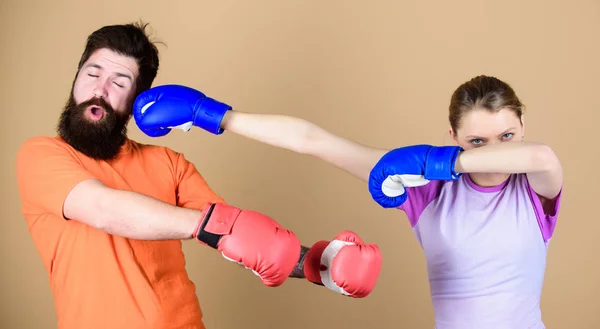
(113, 61)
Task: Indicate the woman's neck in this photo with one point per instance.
(488, 179)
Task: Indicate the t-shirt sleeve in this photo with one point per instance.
(418, 199)
(47, 170)
(193, 191)
(546, 216)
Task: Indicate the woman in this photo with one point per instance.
(484, 229)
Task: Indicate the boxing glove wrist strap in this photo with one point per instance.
(439, 163)
(203, 236)
(312, 262)
(217, 221)
(210, 114)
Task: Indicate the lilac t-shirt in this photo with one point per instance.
(485, 249)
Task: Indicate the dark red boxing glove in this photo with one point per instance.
(251, 239)
(345, 265)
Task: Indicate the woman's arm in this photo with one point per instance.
(538, 161)
(305, 137)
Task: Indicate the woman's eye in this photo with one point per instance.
(93, 76)
(476, 141)
(508, 135)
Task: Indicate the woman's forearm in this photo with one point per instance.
(137, 216)
(511, 157)
(305, 137)
(277, 130)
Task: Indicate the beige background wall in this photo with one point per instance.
(380, 73)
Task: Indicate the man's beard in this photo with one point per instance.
(101, 139)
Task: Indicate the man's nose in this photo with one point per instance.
(100, 89)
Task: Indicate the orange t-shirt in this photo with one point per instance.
(99, 280)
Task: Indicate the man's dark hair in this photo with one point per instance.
(128, 40)
(103, 140)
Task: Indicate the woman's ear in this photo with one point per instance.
(452, 135)
(523, 126)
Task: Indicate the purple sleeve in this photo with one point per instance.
(419, 198)
(546, 218)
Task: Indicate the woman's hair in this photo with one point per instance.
(483, 92)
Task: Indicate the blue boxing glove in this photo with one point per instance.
(158, 110)
(410, 166)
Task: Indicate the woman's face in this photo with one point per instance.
(482, 127)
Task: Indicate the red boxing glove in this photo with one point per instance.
(345, 265)
(251, 239)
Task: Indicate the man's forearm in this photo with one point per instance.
(137, 216)
(298, 271)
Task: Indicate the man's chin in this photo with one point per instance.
(96, 147)
(95, 122)
(96, 139)
(93, 128)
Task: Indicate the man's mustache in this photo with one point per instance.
(96, 101)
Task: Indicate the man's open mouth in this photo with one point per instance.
(96, 112)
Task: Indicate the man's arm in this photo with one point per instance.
(52, 180)
(305, 137)
(129, 214)
(137, 216)
(298, 271)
